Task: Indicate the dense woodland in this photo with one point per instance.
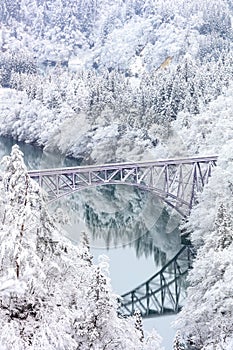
(110, 81)
(130, 69)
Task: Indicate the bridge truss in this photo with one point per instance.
(164, 293)
(175, 181)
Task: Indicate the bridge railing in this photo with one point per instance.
(157, 163)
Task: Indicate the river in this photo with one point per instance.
(132, 227)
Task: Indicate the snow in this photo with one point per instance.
(116, 101)
(207, 132)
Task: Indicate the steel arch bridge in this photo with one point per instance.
(175, 181)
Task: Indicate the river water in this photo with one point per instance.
(131, 227)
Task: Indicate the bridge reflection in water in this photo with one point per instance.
(165, 292)
(177, 182)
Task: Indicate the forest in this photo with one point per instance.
(111, 81)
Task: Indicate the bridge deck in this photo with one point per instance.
(131, 165)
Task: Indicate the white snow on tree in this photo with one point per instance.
(206, 319)
(51, 294)
(178, 343)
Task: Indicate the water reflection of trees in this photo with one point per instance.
(120, 216)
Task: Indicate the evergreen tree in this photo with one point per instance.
(223, 226)
(205, 320)
(178, 344)
(138, 324)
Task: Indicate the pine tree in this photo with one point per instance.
(205, 320)
(85, 249)
(138, 323)
(34, 265)
(178, 344)
(223, 225)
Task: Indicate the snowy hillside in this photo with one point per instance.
(113, 33)
(106, 81)
(133, 66)
(207, 132)
(119, 72)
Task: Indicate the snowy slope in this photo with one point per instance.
(113, 33)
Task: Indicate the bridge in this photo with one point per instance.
(175, 181)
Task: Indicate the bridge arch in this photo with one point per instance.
(167, 198)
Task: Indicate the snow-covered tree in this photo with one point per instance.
(206, 319)
(178, 344)
(31, 257)
(138, 323)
